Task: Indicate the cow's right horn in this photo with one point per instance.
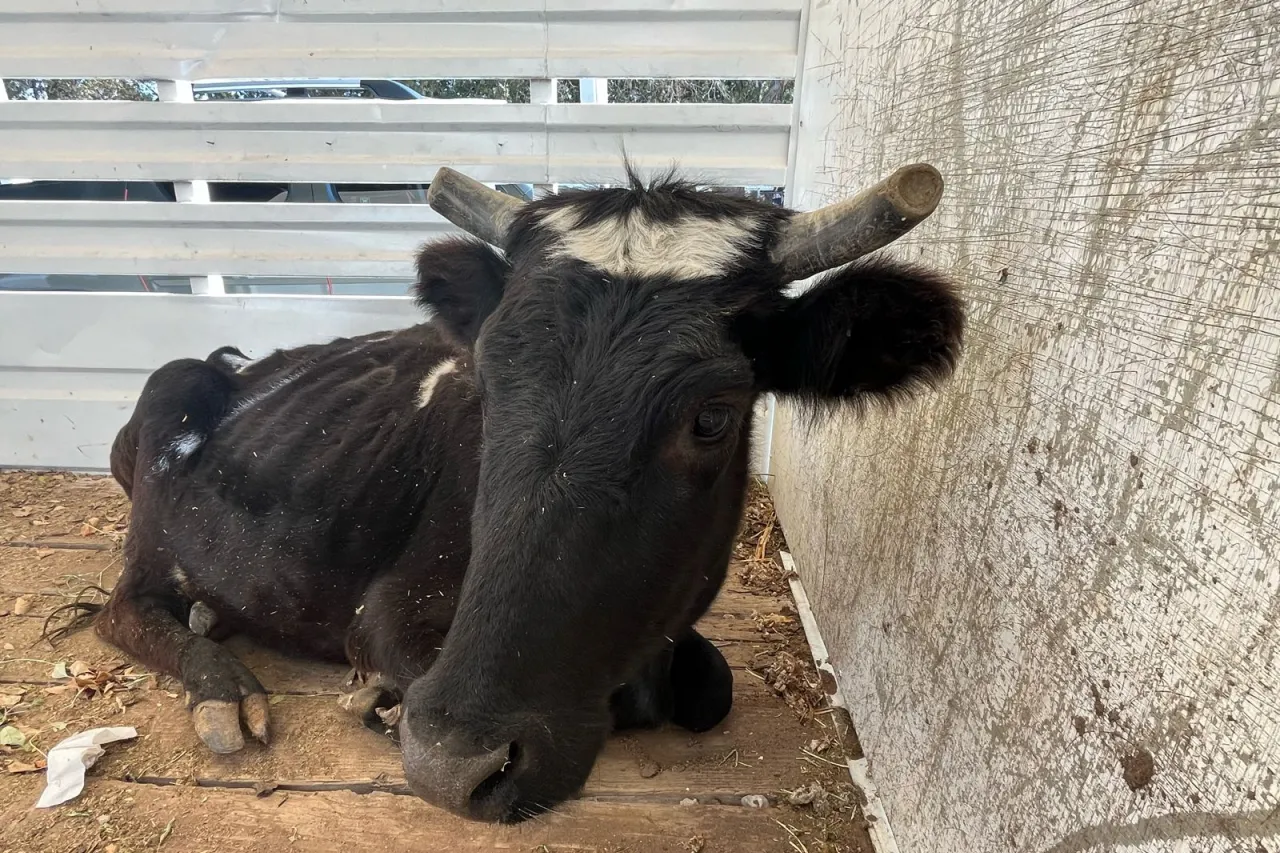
(472, 206)
(832, 236)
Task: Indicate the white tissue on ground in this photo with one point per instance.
(69, 760)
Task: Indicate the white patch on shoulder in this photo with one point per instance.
(186, 444)
(432, 379)
(633, 244)
(179, 575)
(175, 451)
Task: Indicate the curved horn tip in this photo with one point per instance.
(443, 177)
(919, 186)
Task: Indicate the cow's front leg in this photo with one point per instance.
(139, 618)
(376, 704)
(390, 646)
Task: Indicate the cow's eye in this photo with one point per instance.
(712, 421)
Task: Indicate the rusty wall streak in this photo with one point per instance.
(1072, 555)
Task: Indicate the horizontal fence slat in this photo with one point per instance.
(231, 239)
(381, 141)
(202, 39)
(71, 365)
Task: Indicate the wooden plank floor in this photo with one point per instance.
(326, 784)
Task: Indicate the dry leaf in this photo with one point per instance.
(10, 736)
(22, 512)
(21, 607)
(8, 647)
(41, 553)
(19, 767)
(78, 668)
(87, 529)
(8, 700)
(59, 672)
(13, 689)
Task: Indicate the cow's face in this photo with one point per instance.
(620, 345)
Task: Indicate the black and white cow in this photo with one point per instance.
(511, 516)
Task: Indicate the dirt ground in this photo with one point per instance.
(770, 778)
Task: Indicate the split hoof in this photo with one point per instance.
(217, 722)
(377, 707)
(223, 695)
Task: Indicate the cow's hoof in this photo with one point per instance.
(217, 722)
(376, 706)
(222, 693)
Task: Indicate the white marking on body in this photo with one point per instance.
(634, 244)
(262, 394)
(180, 448)
(179, 575)
(237, 363)
(186, 444)
(432, 379)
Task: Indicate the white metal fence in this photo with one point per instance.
(71, 364)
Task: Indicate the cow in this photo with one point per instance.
(509, 518)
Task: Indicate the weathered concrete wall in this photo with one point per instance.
(1069, 561)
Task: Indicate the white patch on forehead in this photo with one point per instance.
(432, 379)
(634, 244)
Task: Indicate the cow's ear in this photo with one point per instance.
(460, 281)
(874, 329)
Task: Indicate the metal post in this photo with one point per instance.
(190, 192)
(543, 92)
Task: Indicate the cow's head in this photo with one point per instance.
(620, 340)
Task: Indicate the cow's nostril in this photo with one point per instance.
(490, 783)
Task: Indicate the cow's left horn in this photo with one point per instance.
(472, 206)
(838, 233)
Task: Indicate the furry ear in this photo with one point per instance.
(876, 328)
(460, 281)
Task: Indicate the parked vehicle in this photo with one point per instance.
(301, 193)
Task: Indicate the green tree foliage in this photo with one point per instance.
(625, 91)
(81, 90)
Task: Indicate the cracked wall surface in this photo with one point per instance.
(1053, 589)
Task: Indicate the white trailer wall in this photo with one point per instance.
(1069, 561)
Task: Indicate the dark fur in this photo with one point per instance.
(524, 558)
